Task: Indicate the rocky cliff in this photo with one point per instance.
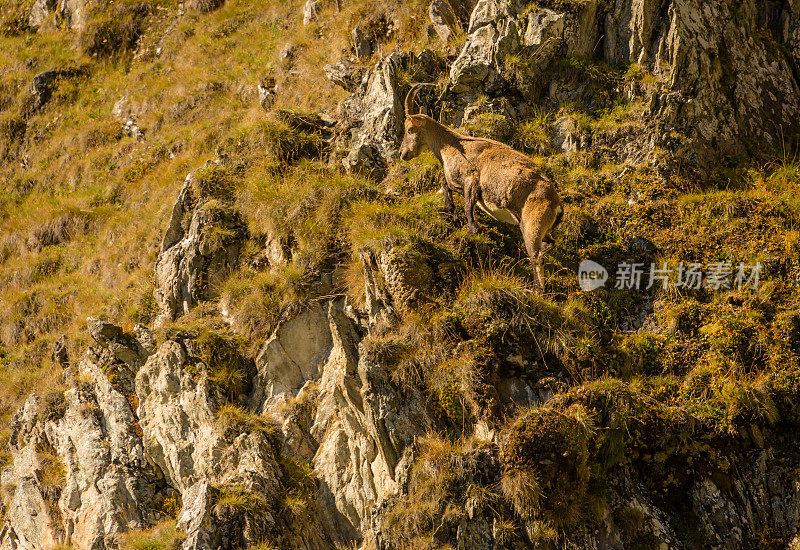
(293, 347)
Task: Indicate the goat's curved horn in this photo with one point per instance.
(409, 104)
(412, 95)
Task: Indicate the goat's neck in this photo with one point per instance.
(443, 142)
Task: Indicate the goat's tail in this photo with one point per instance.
(548, 238)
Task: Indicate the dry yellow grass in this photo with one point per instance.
(84, 205)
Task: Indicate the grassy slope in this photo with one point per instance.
(84, 206)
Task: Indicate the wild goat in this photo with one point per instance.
(503, 182)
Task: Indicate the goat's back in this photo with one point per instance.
(507, 176)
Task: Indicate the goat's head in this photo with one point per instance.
(413, 138)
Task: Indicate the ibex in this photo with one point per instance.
(503, 182)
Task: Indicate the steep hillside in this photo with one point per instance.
(231, 317)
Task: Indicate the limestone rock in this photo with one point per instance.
(200, 247)
(79, 472)
(380, 309)
(176, 412)
(359, 428)
(204, 6)
(568, 136)
(122, 347)
(205, 459)
(59, 354)
(69, 14)
(544, 24)
(196, 517)
(371, 125)
(40, 11)
(364, 427)
(288, 52)
(146, 338)
(377, 110)
(267, 94)
(444, 19)
(44, 85)
(695, 50)
(310, 11)
(292, 355)
(364, 40)
(74, 13)
(31, 512)
(344, 74)
(247, 464)
(106, 473)
(493, 33)
(128, 115)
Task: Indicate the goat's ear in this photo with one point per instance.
(415, 121)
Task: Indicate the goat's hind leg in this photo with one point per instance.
(537, 217)
(471, 195)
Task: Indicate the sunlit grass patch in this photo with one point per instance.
(162, 536)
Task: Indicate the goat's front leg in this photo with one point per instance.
(448, 199)
(471, 191)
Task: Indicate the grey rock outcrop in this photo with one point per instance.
(449, 17)
(288, 52)
(377, 110)
(200, 247)
(360, 429)
(493, 33)
(344, 74)
(310, 10)
(40, 10)
(176, 413)
(59, 352)
(128, 114)
(267, 93)
(444, 19)
(203, 6)
(31, 511)
(122, 347)
(696, 50)
(568, 135)
(69, 14)
(44, 85)
(364, 41)
(293, 355)
(79, 473)
(373, 115)
(203, 457)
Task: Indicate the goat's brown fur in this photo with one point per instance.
(503, 182)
